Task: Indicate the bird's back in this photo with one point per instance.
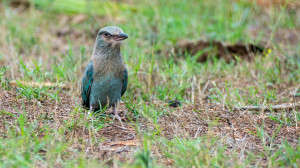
(87, 82)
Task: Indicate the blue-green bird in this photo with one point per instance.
(105, 78)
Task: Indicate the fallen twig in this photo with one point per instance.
(287, 106)
(124, 143)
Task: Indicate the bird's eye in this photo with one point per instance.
(106, 34)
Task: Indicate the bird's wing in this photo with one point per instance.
(125, 81)
(86, 85)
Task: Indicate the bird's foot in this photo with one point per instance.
(121, 119)
(118, 117)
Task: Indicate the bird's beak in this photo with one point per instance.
(121, 36)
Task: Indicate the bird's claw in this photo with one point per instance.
(117, 116)
(120, 119)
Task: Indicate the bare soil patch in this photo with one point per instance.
(211, 48)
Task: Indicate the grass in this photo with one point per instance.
(47, 127)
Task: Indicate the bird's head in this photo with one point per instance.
(111, 36)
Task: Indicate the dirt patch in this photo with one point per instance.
(21, 4)
(198, 120)
(204, 49)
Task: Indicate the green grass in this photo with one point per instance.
(33, 134)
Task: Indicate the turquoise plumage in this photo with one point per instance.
(105, 78)
(87, 81)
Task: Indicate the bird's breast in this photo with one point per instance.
(106, 88)
(108, 82)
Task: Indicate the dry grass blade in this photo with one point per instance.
(36, 84)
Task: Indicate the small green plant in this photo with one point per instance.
(143, 158)
(37, 93)
(4, 81)
(288, 156)
(200, 152)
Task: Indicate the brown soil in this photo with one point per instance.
(211, 48)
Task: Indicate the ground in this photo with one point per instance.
(195, 53)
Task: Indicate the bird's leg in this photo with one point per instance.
(91, 110)
(117, 115)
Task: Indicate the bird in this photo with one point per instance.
(105, 78)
